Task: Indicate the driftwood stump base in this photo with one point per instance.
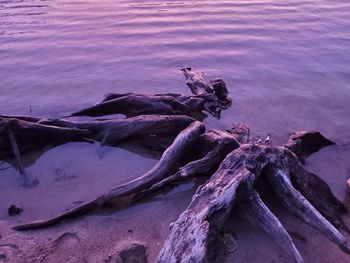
(232, 165)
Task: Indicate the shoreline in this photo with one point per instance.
(94, 237)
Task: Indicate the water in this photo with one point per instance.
(58, 56)
(286, 63)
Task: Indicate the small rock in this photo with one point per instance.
(134, 253)
(230, 242)
(128, 251)
(14, 210)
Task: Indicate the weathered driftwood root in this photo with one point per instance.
(169, 163)
(113, 131)
(194, 236)
(316, 190)
(133, 104)
(211, 97)
(197, 229)
(15, 150)
(215, 145)
(22, 134)
(19, 135)
(304, 144)
(254, 211)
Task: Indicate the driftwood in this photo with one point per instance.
(194, 236)
(215, 145)
(305, 143)
(233, 166)
(113, 131)
(211, 97)
(21, 134)
(17, 135)
(169, 162)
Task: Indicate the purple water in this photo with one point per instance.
(286, 63)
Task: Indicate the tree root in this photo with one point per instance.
(254, 211)
(17, 136)
(15, 150)
(194, 237)
(169, 163)
(199, 226)
(21, 135)
(191, 235)
(236, 166)
(195, 231)
(304, 144)
(113, 131)
(215, 144)
(211, 97)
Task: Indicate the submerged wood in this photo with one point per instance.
(168, 163)
(41, 132)
(211, 97)
(113, 131)
(305, 143)
(22, 134)
(18, 136)
(215, 145)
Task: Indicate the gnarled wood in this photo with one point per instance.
(194, 236)
(197, 228)
(211, 97)
(37, 133)
(312, 187)
(170, 162)
(132, 104)
(253, 210)
(279, 178)
(18, 136)
(190, 234)
(113, 131)
(303, 144)
(215, 144)
(238, 164)
(319, 194)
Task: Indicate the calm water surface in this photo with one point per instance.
(57, 56)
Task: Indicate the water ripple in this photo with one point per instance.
(79, 47)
